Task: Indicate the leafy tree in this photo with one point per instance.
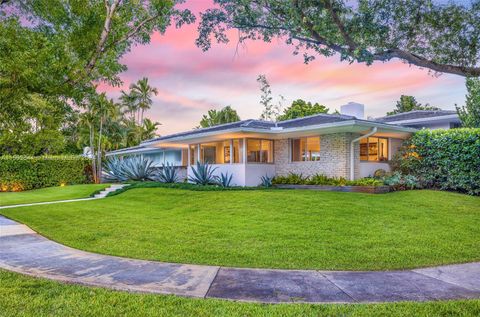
(409, 103)
(444, 38)
(300, 108)
(216, 117)
(470, 113)
(149, 129)
(141, 93)
(270, 110)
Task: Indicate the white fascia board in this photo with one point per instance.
(138, 151)
(276, 132)
(430, 119)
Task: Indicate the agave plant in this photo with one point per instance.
(133, 168)
(225, 180)
(168, 174)
(203, 174)
(113, 170)
(266, 181)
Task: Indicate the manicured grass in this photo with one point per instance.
(27, 296)
(292, 229)
(49, 194)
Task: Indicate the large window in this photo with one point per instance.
(305, 149)
(221, 152)
(259, 151)
(374, 149)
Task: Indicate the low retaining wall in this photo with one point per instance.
(349, 189)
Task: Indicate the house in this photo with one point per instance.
(428, 119)
(336, 145)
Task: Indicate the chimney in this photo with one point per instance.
(353, 109)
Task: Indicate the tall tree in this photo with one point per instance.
(216, 117)
(444, 38)
(300, 108)
(409, 103)
(470, 113)
(270, 110)
(142, 93)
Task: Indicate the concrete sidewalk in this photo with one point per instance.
(24, 251)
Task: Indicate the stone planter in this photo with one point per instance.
(349, 189)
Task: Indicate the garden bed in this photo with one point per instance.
(349, 189)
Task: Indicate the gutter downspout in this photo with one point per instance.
(352, 151)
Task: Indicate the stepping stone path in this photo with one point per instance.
(24, 251)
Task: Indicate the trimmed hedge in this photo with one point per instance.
(443, 159)
(19, 173)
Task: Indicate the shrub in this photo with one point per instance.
(397, 181)
(291, 179)
(225, 180)
(320, 179)
(168, 174)
(203, 174)
(134, 168)
(30, 172)
(443, 159)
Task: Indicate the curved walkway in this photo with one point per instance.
(24, 251)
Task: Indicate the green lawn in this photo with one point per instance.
(49, 194)
(27, 296)
(270, 228)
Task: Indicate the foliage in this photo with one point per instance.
(266, 181)
(300, 108)
(409, 103)
(271, 110)
(203, 174)
(216, 117)
(225, 180)
(443, 159)
(54, 53)
(380, 173)
(18, 173)
(397, 181)
(168, 173)
(438, 36)
(470, 113)
(320, 179)
(130, 168)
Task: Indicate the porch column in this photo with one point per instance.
(198, 152)
(231, 151)
(189, 156)
(244, 151)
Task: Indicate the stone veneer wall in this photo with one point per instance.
(334, 157)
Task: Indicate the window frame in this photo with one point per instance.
(261, 141)
(378, 149)
(306, 148)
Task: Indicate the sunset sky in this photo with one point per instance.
(190, 81)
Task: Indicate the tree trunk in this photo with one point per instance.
(99, 154)
(94, 166)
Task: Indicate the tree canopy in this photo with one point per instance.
(216, 117)
(444, 38)
(409, 103)
(470, 113)
(300, 108)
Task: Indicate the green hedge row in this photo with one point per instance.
(444, 159)
(19, 173)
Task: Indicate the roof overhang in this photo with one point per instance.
(353, 126)
(128, 151)
(447, 118)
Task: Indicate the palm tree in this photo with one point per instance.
(127, 100)
(142, 92)
(149, 129)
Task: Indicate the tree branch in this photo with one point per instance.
(336, 19)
